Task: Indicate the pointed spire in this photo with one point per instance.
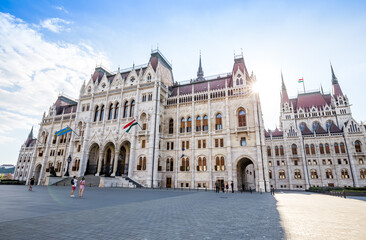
(200, 71)
(321, 88)
(284, 95)
(334, 78)
(337, 91)
(30, 136)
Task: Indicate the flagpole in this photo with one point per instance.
(303, 83)
(137, 123)
(74, 131)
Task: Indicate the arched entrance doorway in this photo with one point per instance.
(37, 173)
(246, 174)
(92, 166)
(108, 158)
(123, 159)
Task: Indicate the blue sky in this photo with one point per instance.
(48, 47)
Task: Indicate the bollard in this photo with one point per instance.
(344, 194)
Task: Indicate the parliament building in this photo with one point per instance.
(195, 133)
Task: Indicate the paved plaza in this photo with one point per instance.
(112, 213)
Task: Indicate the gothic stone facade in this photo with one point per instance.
(192, 134)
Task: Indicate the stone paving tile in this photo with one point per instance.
(153, 215)
(317, 216)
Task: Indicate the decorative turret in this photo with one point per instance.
(284, 95)
(200, 72)
(336, 88)
(29, 138)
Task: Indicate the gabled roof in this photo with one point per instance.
(202, 86)
(306, 131)
(277, 133)
(311, 99)
(320, 130)
(334, 129)
(65, 104)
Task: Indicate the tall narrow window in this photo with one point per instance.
(182, 125)
(110, 113)
(144, 163)
(281, 151)
(294, 149)
(171, 126)
(358, 146)
(276, 150)
(270, 174)
(205, 123)
(328, 174)
(312, 147)
(242, 118)
(282, 174)
(329, 125)
(132, 109)
(116, 109)
(307, 149)
(336, 148)
(125, 110)
(198, 124)
(363, 173)
(327, 150)
(269, 151)
(218, 122)
(189, 124)
(321, 148)
(101, 113)
(314, 174)
(343, 150)
(96, 113)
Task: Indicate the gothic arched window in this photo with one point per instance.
(358, 146)
(294, 149)
(101, 113)
(336, 148)
(205, 123)
(198, 124)
(218, 122)
(96, 113)
(110, 113)
(189, 124)
(321, 148)
(171, 126)
(132, 109)
(242, 118)
(125, 110)
(116, 109)
(182, 125)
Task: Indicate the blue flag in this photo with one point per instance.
(63, 131)
(182, 156)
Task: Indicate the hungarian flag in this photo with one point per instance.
(301, 80)
(130, 125)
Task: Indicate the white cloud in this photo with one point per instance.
(32, 73)
(4, 139)
(55, 24)
(61, 8)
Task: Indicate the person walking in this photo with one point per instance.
(81, 187)
(31, 184)
(217, 186)
(223, 186)
(232, 186)
(74, 183)
(227, 188)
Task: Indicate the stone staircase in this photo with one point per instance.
(101, 181)
(90, 181)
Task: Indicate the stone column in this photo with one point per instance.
(115, 163)
(99, 162)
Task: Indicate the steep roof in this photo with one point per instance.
(311, 99)
(202, 86)
(65, 104)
